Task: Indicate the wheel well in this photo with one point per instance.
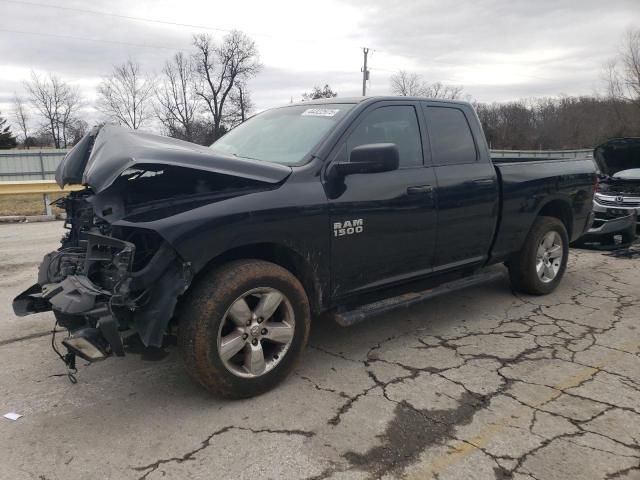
(560, 210)
(280, 255)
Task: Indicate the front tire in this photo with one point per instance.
(244, 327)
(539, 266)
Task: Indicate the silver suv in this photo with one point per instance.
(618, 194)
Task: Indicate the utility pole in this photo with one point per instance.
(365, 72)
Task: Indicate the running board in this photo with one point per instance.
(363, 312)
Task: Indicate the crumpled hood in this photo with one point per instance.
(617, 155)
(105, 152)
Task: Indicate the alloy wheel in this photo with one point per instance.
(549, 256)
(256, 332)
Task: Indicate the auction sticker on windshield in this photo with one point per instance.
(320, 112)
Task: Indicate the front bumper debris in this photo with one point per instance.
(74, 295)
(609, 206)
(97, 296)
(607, 227)
(612, 225)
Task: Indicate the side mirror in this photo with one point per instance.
(370, 158)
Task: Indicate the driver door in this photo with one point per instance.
(384, 224)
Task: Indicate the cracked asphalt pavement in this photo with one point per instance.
(481, 384)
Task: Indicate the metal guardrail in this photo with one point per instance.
(23, 187)
(32, 171)
(581, 153)
(42, 164)
(44, 187)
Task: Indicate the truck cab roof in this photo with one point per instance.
(377, 98)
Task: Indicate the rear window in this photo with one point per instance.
(451, 139)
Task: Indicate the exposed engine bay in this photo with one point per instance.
(616, 205)
(105, 280)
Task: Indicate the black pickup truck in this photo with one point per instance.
(347, 208)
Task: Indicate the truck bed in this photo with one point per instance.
(526, 185)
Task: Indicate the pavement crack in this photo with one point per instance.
(591, 447)
(345, 407)
(190, 455)
(333, 354)
(323, 389)
(623, 472)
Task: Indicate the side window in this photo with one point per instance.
(450, 136)
(393, 124)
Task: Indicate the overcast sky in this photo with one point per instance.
(497, 49)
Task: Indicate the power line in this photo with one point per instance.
(178, 24)
(87, 39)
(164, 47)
(144, 19)
(116, 15)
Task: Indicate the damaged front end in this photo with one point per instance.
(105, 281)
(126, 258)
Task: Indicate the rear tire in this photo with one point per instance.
(243, 328)
(539, 266)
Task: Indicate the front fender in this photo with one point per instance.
(293, 215)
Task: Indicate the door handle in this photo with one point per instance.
(484, 181)
(420, 190)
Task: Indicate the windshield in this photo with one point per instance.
(282, 135)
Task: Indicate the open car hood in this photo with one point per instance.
(104, 153)
(632, 175)
(617, 155)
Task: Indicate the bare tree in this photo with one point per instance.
(241, 103)
(177, 103)
(622, 74)
(219, 68)
(22, 117)
(612, 79)
(557, 122)
(317, 92)
(70, 105)
(407, 84)
(440, 90)
(57, 102)
(76, 130)
(125, 96)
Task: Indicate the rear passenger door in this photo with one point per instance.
(467, 185)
